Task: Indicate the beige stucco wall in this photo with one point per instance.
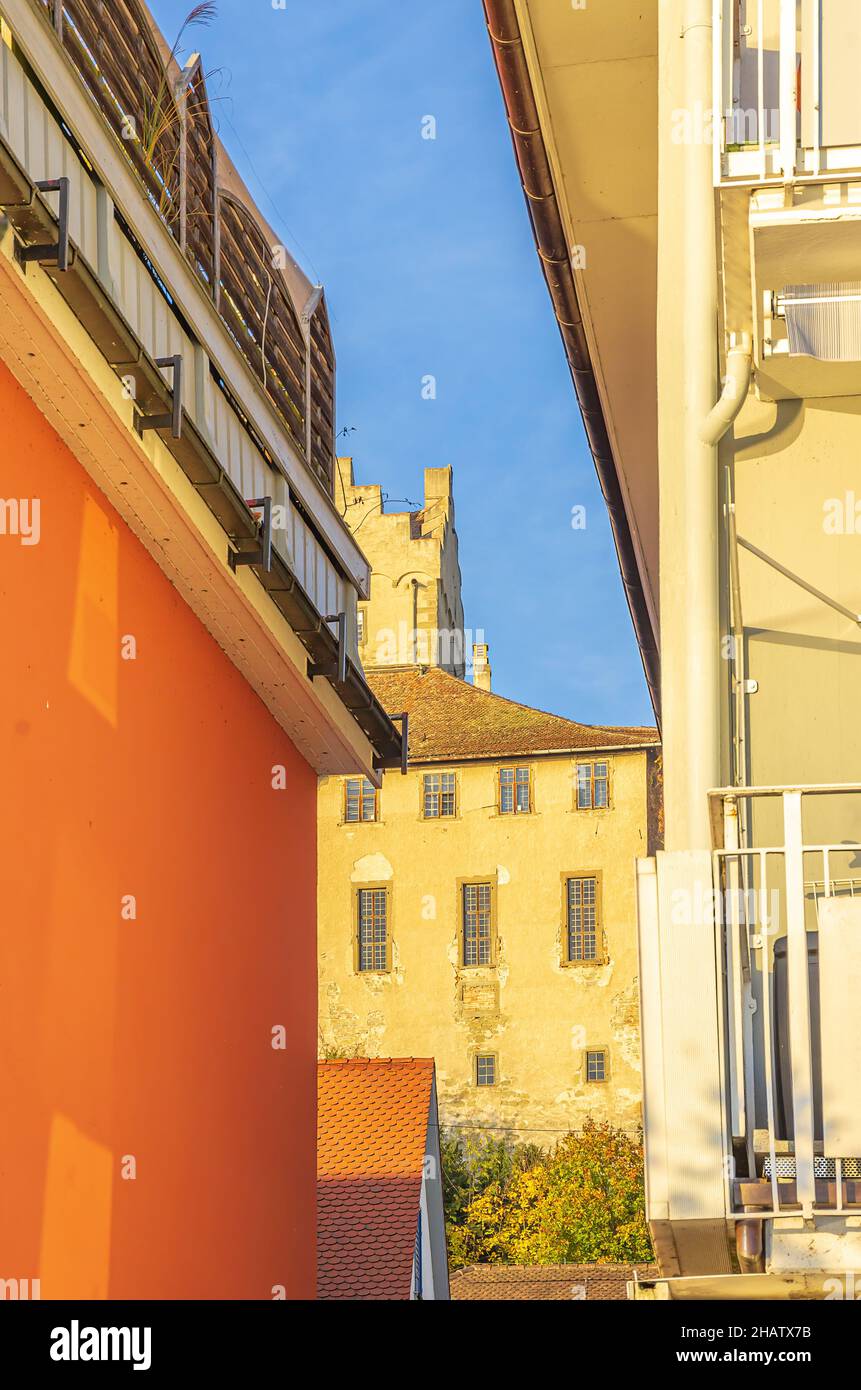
(538, 1015)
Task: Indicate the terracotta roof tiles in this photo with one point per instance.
(371, 1141)
(543, 1282)
(453, 720)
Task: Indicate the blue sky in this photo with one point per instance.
(427, 256)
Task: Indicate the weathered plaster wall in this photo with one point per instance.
(538, 1015)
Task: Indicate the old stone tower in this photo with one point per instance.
(414, 616)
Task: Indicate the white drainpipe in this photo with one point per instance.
(687, 382)
(734, 394)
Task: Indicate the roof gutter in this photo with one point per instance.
(547, 226)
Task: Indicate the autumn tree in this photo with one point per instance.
(582, 1203)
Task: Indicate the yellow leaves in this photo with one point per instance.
(581, 1203)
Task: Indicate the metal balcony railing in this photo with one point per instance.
(161, 118)
(786, 949)
(32, 134)
(784, 90)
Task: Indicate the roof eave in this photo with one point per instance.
(538, 186)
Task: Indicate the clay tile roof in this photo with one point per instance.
(372, 1124)
(450, 719)
(541, 1282)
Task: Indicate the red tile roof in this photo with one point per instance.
(372, 1129)
(452, 720)
(543, 1282)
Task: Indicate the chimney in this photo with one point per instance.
(481, 672)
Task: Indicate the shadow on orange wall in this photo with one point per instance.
(158, 922)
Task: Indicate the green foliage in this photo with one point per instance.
(581, 1203)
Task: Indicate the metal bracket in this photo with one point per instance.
(262, 554)
(173, 421)
(48, 254)
(404, 721)
(337, 672)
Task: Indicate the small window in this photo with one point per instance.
(440, 795)
(372, 929)
(582, 916)
(360, 625)
(593, 786)
(514, 789)
(596, 1065)
(360, 800)
(477, 924)
(485, 1069)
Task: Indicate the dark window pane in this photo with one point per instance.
(596, 1066)
(353, 796)
(584, 786)
(582, 919)
(373, 929)
(477, 925)
(431, 796)
(601, 785)
(485, 1070)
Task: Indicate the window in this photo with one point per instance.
(440, 797)
(514, 789)
(360, 625)
(360, 800)
(582, 918)
(477, 923)
(485, 1069)
(593, 786)
(372, 929)
(596, 1065)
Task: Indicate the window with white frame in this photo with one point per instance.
(514, 791)
(593, 786)
(360, 800)
(439, 798)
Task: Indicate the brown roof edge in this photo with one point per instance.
(537, 180)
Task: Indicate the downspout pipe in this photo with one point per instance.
(736, 385)
(538, 186)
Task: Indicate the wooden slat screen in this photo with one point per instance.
(322, 403)
(258, 312)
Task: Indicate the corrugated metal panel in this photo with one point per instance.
(824, 321)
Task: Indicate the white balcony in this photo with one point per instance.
(750, 980)
(786, 90)
(789, 950)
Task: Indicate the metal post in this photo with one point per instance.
(788, 89)
(798, 992)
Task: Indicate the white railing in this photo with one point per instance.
(784, 90)
(770, 883)
(42, 149)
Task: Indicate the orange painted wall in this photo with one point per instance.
(153, 1037)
